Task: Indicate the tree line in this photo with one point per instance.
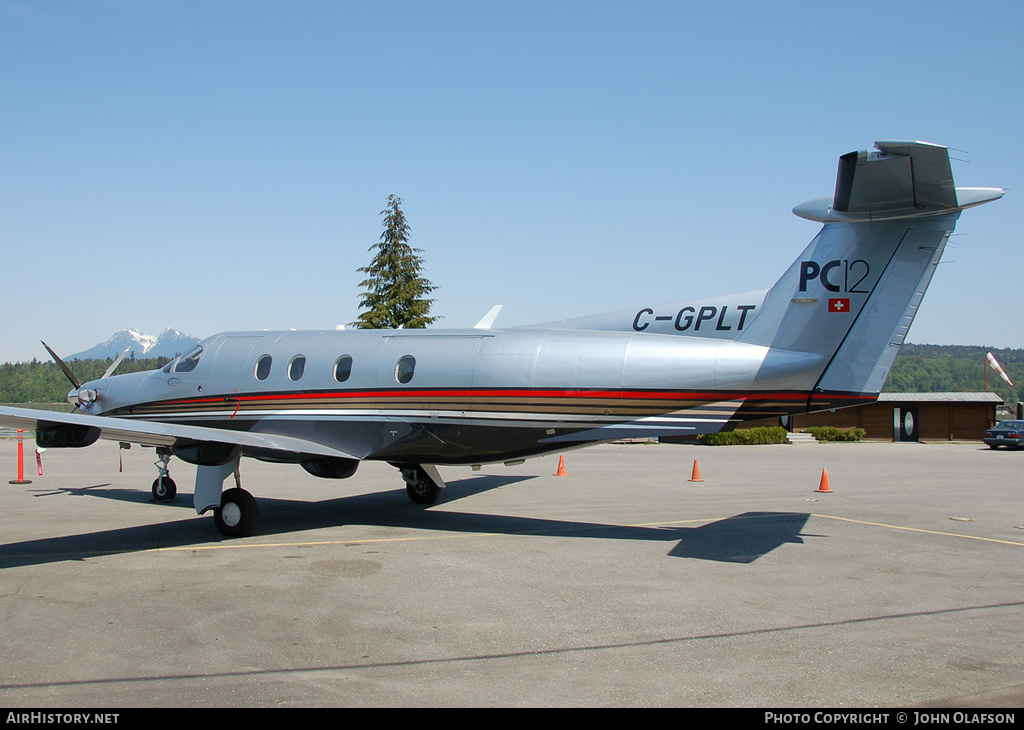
(45, 382)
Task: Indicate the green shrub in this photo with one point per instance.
(758, 435)
(834, 433)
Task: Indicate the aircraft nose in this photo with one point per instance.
(107, 394)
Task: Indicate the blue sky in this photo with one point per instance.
(215, 166)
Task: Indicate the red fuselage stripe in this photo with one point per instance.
(483, 394)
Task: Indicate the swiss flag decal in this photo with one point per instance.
(839, 305)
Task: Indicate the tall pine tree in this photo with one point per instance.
(395, 287)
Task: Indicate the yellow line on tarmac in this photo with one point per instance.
(917, 529)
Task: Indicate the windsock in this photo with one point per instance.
(995, 366)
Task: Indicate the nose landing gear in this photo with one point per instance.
(164, 488)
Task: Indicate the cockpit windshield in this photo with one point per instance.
(187, 362)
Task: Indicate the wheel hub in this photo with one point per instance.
(231, 514)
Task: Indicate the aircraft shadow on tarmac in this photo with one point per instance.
(456, 490)
(742, 538)
(95, 490)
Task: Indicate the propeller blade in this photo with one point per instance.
(113, 366)
(67, 371)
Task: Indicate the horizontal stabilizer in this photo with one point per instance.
(900, 180)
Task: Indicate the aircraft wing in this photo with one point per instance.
(152, 433)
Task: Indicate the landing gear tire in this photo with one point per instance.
(164, 489)
(237, 514)
(423, 492)
(421, 489)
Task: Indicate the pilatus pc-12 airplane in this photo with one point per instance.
(824, 336)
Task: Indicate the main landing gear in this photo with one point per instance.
(235, 511)
(237, 514)
(423, 483)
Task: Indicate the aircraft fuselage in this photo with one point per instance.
(461, 396)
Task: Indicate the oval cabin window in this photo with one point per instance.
(343, 368)
(296, 366)
(262, 371)
(404, 369)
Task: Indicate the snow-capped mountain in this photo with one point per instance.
(168, 344)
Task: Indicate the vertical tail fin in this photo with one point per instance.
(851, 296)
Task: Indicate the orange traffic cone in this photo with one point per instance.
(695, 476)
(823, 486)
(561, 468)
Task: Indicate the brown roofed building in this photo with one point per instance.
(912, 417)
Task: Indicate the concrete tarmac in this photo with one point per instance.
(622, 584)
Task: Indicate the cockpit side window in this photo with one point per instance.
(187, 362)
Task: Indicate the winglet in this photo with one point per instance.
(488, 320)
